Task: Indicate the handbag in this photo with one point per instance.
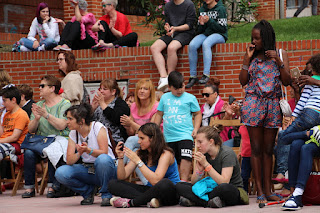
(311, 194)
(37, 143)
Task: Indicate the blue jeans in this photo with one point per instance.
(30, 161)
(228, 142)
(48, 42)
(245, 171)
(300, 162)
(207, 42)
(306, 120)
(77, 178)
(132, 143)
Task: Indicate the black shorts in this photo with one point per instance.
(183, 38)
(182, 149)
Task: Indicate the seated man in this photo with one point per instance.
(14, 126)
(26, 98)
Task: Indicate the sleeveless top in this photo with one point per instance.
(172, 173)
(264, 79)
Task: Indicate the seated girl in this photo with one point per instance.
(47, 28)
(89, 141)
(222, 166)
(78, 33)
(156, 162)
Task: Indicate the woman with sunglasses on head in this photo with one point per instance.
(47, 28)
(78, 33)
(89, 142)
(47, 118)
(113, 28)
(72, 83)
(108, 107)
(215, 107)
(155, 159)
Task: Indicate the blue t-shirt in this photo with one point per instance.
(177, 116)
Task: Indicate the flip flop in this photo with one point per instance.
(261, 199)
(274, 194)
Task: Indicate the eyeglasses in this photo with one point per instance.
(60, 59)
(206, 94)
(105, 5)
(43, 85)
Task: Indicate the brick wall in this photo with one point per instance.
(135, 63)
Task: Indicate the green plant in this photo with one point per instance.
(243, 10)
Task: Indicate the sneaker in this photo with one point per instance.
(24, 49)
(120, 202)
(89, 200)
(154, 203)
(185, 202)
(204, 79)
(57, 48)
(50, 194)
(192, 81)
(293, 203)
(163, 84)
(215, 202)
(314, 135)
(65, 48)
(105, 202)
(42, 48)
(27, 194)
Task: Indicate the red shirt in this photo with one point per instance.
(122, 23)
(245, 146)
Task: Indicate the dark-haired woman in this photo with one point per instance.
(156, 162)
(72, 83)
(222, 166)
(264, 68)
(46, 27)
(89, 141)
(108, 107)
(47, 118)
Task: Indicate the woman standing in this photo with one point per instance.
(78, 33)
(264, 68)
(113, 28)
(212, 30)
(72, 83)
(223, 168)
(108, 107)
(156, 162)
(89, 141)
(47, 28)
(47, 118)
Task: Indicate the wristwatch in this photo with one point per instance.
(140, 164)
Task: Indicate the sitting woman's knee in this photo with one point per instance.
(103, 159)
(62, 173)
(29, 154)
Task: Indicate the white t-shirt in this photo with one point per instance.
(91, 139)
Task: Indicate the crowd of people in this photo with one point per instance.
(107, 139)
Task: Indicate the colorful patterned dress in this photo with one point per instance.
(261, 104)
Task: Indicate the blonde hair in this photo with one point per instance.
(5, 78)
(148, 83)
(111, 84)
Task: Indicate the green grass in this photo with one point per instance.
(304, 28)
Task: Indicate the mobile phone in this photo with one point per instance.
(231, 99)
(121, 147)
(295, 73)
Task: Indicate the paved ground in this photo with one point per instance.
(42, 204)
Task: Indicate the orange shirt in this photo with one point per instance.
(18, 120)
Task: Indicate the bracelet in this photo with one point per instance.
(208, 168)
(245, 67)
(47, 116)
(90, 153)
(140, 164)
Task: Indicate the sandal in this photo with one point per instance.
(261, 199)
(274, 195)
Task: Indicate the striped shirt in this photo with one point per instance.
(310, 98)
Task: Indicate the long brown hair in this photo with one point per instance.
(5, 78)
(70, 60)
(157, 144)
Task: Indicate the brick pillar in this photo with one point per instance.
(94, 6)
(266, 9)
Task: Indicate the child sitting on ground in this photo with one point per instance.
(176, 109)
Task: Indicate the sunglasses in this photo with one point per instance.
(105, 5)
(43, 85)
(206, 94)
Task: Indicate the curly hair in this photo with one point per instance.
(315, 63)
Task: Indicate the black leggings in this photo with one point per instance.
(227, 193)
(71, 36)
(107, 36)
(165, 191)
